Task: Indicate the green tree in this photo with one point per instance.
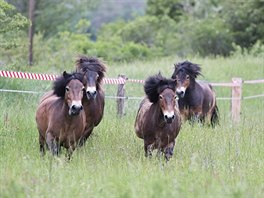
(12, 25)
(246, 20)
(171, 8)
(53, 16)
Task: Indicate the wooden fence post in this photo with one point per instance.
(236, 99)
(121, 97)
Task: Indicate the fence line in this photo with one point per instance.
(128, 97)
(235, 85)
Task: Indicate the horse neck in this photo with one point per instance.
(157, 115)
(65, 109)
(191, 89)
(192, 95)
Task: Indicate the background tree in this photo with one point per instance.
(12, 25)
(31, 13)
(171, 8)
(246, 21)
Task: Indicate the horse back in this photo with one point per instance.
(208, 97)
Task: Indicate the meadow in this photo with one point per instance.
(227, 161)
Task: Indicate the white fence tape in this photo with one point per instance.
(130, 97)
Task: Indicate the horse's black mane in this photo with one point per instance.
(61, 82)
(154, 85)
(190, 68)
(84, 63)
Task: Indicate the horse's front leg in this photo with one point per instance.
(168, 151)
(149, 146)
(52, 144)
(86, 134)
(70, 151)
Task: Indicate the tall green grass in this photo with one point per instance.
(227, 161)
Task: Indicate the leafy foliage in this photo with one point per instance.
(172, 27)
(206, 37)
(246, 21)
(11, 25)
(171, 8)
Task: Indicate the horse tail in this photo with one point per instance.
(215, 116)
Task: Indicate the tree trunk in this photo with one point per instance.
(31, 9)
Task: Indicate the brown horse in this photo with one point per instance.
(60, 117)
(94, 72)
(158, 119)
(197, 100)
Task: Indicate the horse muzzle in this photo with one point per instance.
(91, 95)
(91, 92)
(75, 109)
(180, 92)
(169, 117)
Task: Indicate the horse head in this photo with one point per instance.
(185, 73)
(162, 91)
(70, 87)
(94, 72)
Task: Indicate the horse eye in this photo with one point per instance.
(67, 89)
(187, 77)
(160, 97)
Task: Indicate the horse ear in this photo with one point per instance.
(176, 66)
(64, 74)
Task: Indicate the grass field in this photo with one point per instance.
(227, 161)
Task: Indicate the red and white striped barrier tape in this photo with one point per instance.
(136, 81)
(12, 74)
(34, 76)
(113, 81)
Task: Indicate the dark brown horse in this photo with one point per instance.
(94, 72)
(197, 100)
(60, 117)
(158, 119)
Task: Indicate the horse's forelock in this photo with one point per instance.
(84, 63)
(190, 68)
(168, 84)
(61, 82)
(154, 85)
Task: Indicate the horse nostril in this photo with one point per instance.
(91, 94)
(76, 108)
(166, 117)
(73, 107)
(173, 116)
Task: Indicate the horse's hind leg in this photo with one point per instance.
(52, 144)
(42, 145)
